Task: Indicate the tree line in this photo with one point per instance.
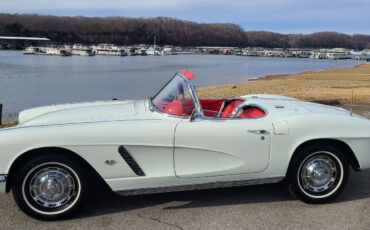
(168, 31)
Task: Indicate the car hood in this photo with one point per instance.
(79, 113)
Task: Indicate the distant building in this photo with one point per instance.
(7, 42)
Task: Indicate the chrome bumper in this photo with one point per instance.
(2, 183)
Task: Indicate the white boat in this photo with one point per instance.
(31, 50)
(150, 51)
(318, 55)
(248, 52)
(109, 50)
(35, 50)
(82, 50)
(336, 55)
(58, 51)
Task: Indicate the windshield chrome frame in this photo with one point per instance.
(193, 94)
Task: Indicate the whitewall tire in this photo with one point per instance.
(318, 173)
(50, 187)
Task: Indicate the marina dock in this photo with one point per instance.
(143, 50)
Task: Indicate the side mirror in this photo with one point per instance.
(193, 115)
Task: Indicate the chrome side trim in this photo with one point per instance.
(3, 178)
(209, 185)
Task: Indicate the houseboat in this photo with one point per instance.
(109, 50)
(58, 51)
(82, 50)
(32, 50)
(336, 55)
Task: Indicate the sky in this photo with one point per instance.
(282, 16)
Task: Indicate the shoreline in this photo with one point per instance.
(333, 83)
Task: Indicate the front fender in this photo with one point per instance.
(16, 142)
(352, 131)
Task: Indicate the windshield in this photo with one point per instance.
(175, 98)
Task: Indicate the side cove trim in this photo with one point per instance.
(130, 161)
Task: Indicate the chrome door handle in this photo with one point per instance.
(258, 131)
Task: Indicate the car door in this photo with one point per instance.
(221, 146)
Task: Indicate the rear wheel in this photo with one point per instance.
(318, 174)
(50, 187)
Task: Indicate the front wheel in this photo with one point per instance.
(50, 187)
(318, 173)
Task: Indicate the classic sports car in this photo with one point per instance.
(175, 141)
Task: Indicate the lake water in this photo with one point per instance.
(29, 80)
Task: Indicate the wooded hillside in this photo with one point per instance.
(168, 31)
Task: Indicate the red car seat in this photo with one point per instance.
(230, 108)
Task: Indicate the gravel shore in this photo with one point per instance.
(336, 83)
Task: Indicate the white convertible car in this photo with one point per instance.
(175, 141)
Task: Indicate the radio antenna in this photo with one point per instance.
(351, 102)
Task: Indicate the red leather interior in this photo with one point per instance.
(185, 107)
(179, 107)
(230, 107)
(175, 108)
(252, 112)
(211, 104)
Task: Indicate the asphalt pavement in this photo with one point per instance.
(250, 207)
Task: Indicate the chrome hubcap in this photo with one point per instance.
(318, 173)
(52, 187)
